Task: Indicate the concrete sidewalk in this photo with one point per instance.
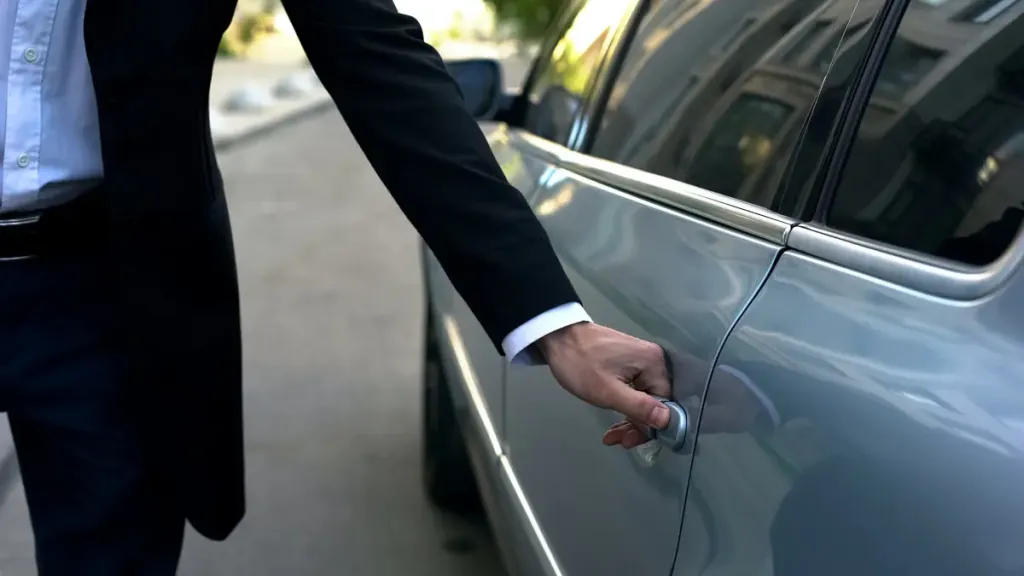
(245, 97)
(248, 97)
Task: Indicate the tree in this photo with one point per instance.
(529, 18)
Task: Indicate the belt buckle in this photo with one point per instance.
(20, 220)
(14, 222)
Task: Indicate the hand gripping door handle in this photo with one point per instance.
(672, 436)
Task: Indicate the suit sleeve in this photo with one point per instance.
(408, 116)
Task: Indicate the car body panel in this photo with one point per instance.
(523, 171)
(888, 441)
(475, 372)
(655, 273)
(521, 552)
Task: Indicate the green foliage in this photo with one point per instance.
(530, 18)
(229, 47)
(243, 32)
(253, 26)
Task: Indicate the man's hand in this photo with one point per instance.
(612, 370)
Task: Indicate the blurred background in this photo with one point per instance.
(332, 314)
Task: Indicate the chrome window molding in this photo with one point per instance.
(536, 146)
(730, 212)
(919, 272)
(736, 214)
(915, 271)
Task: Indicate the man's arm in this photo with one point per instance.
(408, 116)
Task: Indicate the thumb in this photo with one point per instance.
(639, 407)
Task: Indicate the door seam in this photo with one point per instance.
(707, 387)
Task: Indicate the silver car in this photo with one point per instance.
(813, 206)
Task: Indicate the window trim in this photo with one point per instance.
(913, 270)
(920, 272)
(735, 214)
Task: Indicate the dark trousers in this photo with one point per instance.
(97, 498)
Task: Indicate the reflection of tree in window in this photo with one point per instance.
(576, 55)
(739, 144)
(905, 66)
(569, 70)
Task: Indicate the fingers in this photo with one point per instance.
(616, 433)
(636, 405)
(624, 434)
(654, 378)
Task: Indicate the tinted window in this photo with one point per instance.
(563, 76)
(938, 164)
(715, 93)
(743, 139)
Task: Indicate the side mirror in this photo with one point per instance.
(480, 81)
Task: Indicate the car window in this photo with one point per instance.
(937, 166)
(563, 77)
(715, 94)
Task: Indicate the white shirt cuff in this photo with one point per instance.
(517, 345)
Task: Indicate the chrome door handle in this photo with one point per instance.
(672, 436)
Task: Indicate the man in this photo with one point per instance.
(120, 353)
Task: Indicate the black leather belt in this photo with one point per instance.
(77, 225)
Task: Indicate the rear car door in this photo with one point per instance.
(661, 212)
(865, 414)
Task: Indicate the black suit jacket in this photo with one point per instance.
(173, 261)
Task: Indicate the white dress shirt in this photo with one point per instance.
(50, 128)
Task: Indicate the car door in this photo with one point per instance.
(867, 406)
(661, 250)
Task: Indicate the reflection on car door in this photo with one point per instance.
(655, 273)
(867, 404)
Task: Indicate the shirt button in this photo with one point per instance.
(31, 55)
(23, 160)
